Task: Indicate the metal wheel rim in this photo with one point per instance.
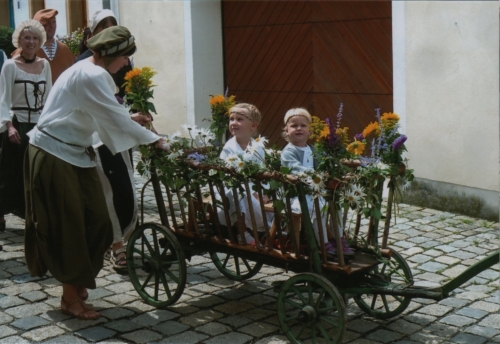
(157, 273)
(234, 267)
(310, 307)
(387, 306)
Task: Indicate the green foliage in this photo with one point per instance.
(138, 89)
(6, 40)
(72, 40)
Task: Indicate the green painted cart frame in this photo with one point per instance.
(311, 304)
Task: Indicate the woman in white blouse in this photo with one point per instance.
(25, 83)
(69, 229)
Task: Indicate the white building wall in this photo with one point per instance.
(61, 18)
(446, 85)
(182, 41)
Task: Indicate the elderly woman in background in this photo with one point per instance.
(69, 228)
(25, 83)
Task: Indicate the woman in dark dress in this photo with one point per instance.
(116, 171)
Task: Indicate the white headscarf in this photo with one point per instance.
(98, 16)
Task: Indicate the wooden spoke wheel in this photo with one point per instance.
(235, 267)
(311, 309)
(156, 265)
(396, 271)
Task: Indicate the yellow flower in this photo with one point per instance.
(318, 129)
(389, 120)
(218, 99)
(342, 134)
(389, 116)
(132, 74)
(324, 133)
(372, 127)
(356, 147)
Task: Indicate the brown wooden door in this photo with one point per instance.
(311, 54)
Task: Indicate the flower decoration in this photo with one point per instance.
(356, 147)
(72, 40)
(373, 127)
(138, 90)
(220, 105)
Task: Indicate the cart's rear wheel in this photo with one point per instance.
(310, 307)
(156, 264)
(396, 271)
(234, 267)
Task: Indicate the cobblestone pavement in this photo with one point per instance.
(213, 309)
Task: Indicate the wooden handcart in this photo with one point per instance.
(311, 304)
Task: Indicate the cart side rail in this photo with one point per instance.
(203, 212)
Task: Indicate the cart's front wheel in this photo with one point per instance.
(394, 271)
(235, 267)
(156, 264)
(310, 307)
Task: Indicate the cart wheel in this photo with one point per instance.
(234, 267)
(156, 264)
(387, 306)
(310, 307)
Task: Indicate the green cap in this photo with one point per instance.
(112, 42)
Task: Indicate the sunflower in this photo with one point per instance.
(133, 73)
(389, 116)
(356, 147)
(216, 100)
(389, 120)
(372, 127)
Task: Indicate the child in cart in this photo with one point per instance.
(298, 155)
(243, 122)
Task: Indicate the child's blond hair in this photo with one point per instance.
(254, 113)
(292, 113)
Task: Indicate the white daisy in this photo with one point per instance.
(406, 185)
(176, 154)
(251, 150)
(272, 152)
(351, 198)
(316, 182)
(259, 142)
(175, 136)
(147, 168)
(232, 160)
(240, 164)
(358, 190)
(188, 127)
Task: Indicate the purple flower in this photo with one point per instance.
(333, 139)
(398, 143)
(197, 157)
(119, 99)
(359, 137)
(339, 115)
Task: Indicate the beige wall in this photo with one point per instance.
(159, 29)
(182, 41)
(446, 79)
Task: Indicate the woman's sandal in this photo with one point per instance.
(83, 315)
(84, 293)
(119, 264)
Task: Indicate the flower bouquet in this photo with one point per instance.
(220, 106)
(138, 90)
